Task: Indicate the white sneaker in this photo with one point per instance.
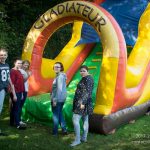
(22, 123)
(75, 143)
(148, 113)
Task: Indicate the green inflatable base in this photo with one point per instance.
(38, 109)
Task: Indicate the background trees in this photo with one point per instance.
(16, 19)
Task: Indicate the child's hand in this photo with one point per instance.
(82, 106)
(54, 104)
(29, 73)
(14, 98)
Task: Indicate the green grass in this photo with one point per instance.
(128, 137)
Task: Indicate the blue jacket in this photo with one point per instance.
(59, 91)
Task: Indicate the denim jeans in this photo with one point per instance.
(2, 97)
(76, 122)
(22, 103)
(15, 110)
(58, 117)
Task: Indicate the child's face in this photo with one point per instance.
(3, 56)
(25, 66)
(57, 68)
(83, 72)
(18, 64)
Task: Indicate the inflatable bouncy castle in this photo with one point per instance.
(103, 32)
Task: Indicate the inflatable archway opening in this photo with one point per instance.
(112, 41)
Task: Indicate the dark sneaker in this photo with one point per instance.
(54, 134)
(64, 133)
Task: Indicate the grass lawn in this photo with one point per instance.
(38, 137)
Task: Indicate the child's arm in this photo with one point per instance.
(13, 90)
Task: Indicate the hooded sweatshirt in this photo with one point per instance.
(59, 91)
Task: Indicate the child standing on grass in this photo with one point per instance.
(58, 98)
(26, 74)
(82, 105)
(4, 80)
(18, 82)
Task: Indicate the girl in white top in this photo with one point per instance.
(26, 74)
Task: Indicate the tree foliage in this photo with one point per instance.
(16, 19)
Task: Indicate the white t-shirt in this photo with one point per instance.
(25, 76)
